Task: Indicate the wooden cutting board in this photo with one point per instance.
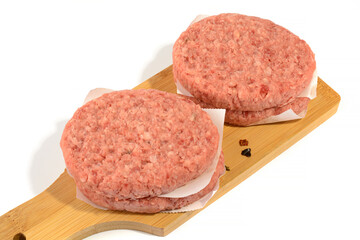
(57, 214)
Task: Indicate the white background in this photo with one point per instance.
(53, 52)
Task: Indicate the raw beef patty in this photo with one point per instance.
(244, 63)
(138, 143)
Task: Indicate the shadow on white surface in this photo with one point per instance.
(47, 163)
(122, 234)
(162, 60)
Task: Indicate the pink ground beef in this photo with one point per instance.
(246, 118)
(154, 204)
(138, 143)
(243, 63)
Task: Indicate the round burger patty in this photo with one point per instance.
(138, 143)
(244, 63)
(155, 204)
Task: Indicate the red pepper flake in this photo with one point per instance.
(243, 142)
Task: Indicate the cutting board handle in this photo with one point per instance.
(48, 216)
(15, 223)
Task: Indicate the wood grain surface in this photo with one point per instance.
(57, 214)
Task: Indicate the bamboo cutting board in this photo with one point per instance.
(57, 214)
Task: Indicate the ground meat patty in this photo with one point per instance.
(155, 204)
(246, 118)
(239, 62)
(138, 143)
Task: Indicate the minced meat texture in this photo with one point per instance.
(246, 118)
(244, 63)
(155, 204)
(138, 143)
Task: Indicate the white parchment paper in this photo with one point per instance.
(198, 204)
